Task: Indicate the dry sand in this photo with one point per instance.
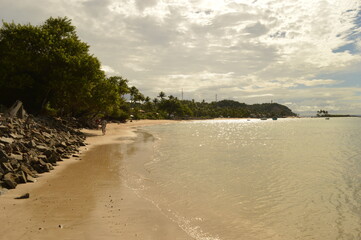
(83, 198)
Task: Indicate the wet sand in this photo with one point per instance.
(84, 198)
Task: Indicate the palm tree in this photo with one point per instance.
(148, 104)
(161, 95)
(133, 93)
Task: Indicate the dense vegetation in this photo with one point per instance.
(51, 71)
(170, 107)
(324, 113)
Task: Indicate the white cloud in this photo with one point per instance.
(246, 50)
(108, 70)
(317, 82)
(260, 95)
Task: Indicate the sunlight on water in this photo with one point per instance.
(239, 179)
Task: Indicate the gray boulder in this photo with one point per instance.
(10, 180)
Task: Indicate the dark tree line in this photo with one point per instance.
(322, 113)
(171, 107)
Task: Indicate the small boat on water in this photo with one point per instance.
(327, 118)
(263, 118)
(274, 118)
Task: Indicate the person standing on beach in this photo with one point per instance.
(104, 125)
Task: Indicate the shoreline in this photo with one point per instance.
(83, 198)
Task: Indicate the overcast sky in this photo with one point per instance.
(305, 54)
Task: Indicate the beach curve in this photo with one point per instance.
(84, 199)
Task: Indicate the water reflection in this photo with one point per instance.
(231, 179)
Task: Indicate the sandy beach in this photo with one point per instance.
(84, 198)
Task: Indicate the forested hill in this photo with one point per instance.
(255, 110)
(52, 72)
(230, 108)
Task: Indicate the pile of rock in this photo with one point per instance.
(32, 146)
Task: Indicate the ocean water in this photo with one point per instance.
(237, 179)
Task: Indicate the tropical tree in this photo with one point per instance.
(47, 66)
(133, 91)
(161, 95)
(322, 113)
(122, 83)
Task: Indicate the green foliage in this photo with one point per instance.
(136, 95)
(52, 71)
(42, 64)
(122, 83)
(171, 107)
(174, 108)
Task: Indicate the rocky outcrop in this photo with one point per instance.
(34, 145)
